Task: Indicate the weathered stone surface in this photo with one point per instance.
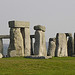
(39, 57)
(40, 44)
(19, 38)
(70, 44)
(39, 27)
(52, 47)
(27, 42)
(1, 46)
(20, 24)
(61, 45)
(11, 45)
(13, 53)
(16, 42)
(1, 56)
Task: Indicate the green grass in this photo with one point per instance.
(23, 66)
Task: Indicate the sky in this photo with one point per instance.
(58, 16)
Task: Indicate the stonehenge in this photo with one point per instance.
(34, 46)
(19, 38)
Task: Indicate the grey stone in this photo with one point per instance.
(70, 44)
(39, 27)
(61, 45)
(52, 47)
(27, 42)
(39, 57)
(19, 38)
(74, 43)
(16, 42)
(19, 24)
(40, 43)
(1, 46)
(13, 53)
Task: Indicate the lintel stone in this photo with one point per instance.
(39, 27)
(19, 24)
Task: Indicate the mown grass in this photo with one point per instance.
(23, 66)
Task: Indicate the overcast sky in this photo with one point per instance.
(55, 15)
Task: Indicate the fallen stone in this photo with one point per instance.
(39, 57)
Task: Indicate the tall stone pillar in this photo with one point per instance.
(1, 46)
(27, 42)
(61, 45)
(51, 47)
(19, 39)
(74, 43)
(40, 42)
(70, 44)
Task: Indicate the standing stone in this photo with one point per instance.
(74, 43)
(17, 42)
(27, 42)
(1, 46)
(51, 47)
(19, 38)
(61, 45)
(40, 43)
(70, 44)
(11, 45)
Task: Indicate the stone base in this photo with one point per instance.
(38, 57)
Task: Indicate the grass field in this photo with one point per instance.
(23, 66)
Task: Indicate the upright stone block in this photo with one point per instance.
(27, 42)
(1, 46)
(61, 45)
(70, 44)
(40, 43)
(74, 43)
(19, 38)
(51, 47)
